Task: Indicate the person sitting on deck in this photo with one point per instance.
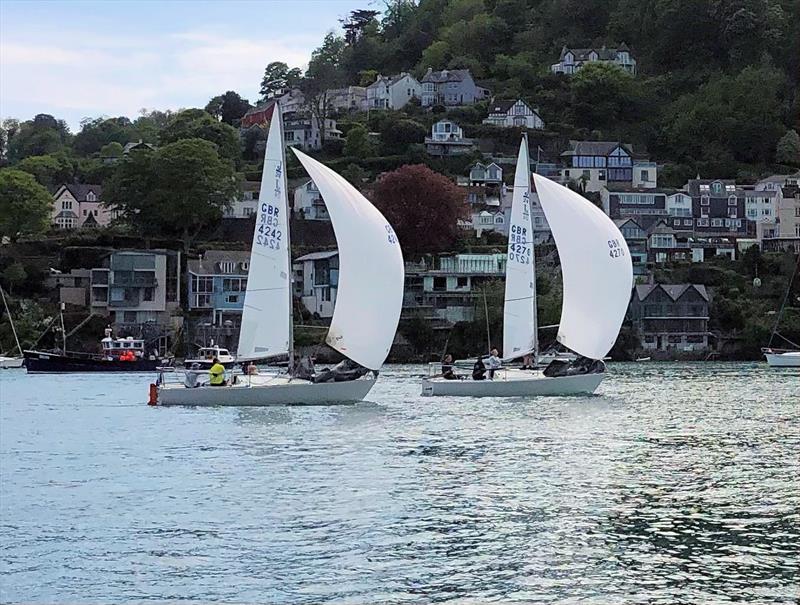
(447, 368)
(190, 380)
(303, 368)
(251, 369)
(217, 374)
(493, 362)
(479, 370)
(527, 362)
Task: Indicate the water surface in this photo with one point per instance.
(677, 483)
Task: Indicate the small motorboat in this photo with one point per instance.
(206, 355)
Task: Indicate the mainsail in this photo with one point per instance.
(371, 272)
(266, 317)
(595, 266)
(519, 310)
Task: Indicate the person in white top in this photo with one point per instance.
(493, 362)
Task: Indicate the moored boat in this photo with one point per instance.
(783, 358)
(7, 362)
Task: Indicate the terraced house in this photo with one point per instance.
(572, 59)
(451, 87)
(592, 165)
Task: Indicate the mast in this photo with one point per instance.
(783, 306)
(10, 320)
(533, 257)
(276, 115)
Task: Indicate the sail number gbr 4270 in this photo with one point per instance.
(615, 249)
(269, 234)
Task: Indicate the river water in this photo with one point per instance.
(676, 483)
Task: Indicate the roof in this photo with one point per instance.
(622, 188)
(446, 75)
(674, 291)
(318, 255)
(502, 106)
(208, 263)
(79, 192)
(603, 53)
(595, 147)
(134, 144)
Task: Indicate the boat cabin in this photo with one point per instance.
(115, 348)
(209, 353)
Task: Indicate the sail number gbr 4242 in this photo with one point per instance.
(269, 233)
(615, 249)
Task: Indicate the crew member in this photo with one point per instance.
(216, 374)
(447, 368)
(493, 362)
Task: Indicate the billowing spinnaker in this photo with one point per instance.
(371, 272)
(519, 310)
(595, 266)
(266, 317)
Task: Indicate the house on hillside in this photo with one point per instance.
(393, 92)
(308, 203)
(447, 138)
(636, 238)
(316, 281)
(598, 164)
(216, 285)
(351, 98)
(508, 114)
(572, 59)
(78, 206)
(787, 197)
(671, 317)
(451, 87)
(302, 130)
(245, 205)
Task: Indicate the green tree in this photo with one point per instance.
(198, 124)
(788, 149)
(602, 95)
(49, 170)
(355, 174)
(111, 150)
(14, 275)
(25, 205)
(178, 190)
(98, 132)
(397, 135)
(357, 143)
(42, 135)
(277, 78)
(228, 108)
(404, 196)
(324, 73)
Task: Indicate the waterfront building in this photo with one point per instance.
(671, 317)
(316, 281)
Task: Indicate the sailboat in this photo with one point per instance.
(368, 304)
(597, 275)
(783, 358)
(10, 362)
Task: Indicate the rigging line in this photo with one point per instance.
(516, 299)
(783, 305)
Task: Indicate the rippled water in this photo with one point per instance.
(675, 484)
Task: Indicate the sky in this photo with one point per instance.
(76, 59)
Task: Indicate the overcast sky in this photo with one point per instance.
(82, 59)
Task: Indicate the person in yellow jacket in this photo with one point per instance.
(217, 374)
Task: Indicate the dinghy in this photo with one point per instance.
(7, 363)
(597, 274)
(368, 304)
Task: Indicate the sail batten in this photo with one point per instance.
(268, 283)
(519, 307)
(371, 272)
(596, 269)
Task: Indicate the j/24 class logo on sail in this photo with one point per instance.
(269, 233)
(615, 249)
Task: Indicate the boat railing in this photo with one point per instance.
(501, 373)
(171, 375)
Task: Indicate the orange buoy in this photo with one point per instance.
(153, 395)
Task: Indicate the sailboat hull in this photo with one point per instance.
(270, 393)
(513, 383)
(7, 363)
(790, 359)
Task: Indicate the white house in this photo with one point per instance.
(508, 114)
(351, 98)
(447, 138)
(598, 164)
(302, 130)
(307, 199)
(572, 59)
(246, 205)
(316, 281)
(77, 206)
(451, 87)
(393, 92)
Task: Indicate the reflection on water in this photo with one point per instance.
(677, 483)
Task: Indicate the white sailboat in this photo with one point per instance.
(11, 362)
(597, 274)
(369, 297)
(783, 358)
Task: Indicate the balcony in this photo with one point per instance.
(134, 279)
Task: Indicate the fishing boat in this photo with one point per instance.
(783, 358)
(7, 362)
(597, 275)
(368, 302)
(206, 356)
(117, 355)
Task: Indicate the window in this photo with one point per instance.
(326, 294)
(601, 175)
(732, 212)
(147, 295)
(716, 187)
(661, 257)
(797, 211)
(129, 317)
(202, 284)
(704, 201)
(717, 222)
(766, 212)
(462, 282)
(66, 205)
(687, 222)
(660, 240)
(702, 222)
(233, 298)
(91, 197)
(732, 201)
(645, 176)
(84, 212)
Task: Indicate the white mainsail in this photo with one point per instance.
(371, 272)
(595, 266)
(519, 310)
(266, 317)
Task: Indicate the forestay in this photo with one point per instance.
(266, 317)
(371, 273)
(519, 310)
(595, 266)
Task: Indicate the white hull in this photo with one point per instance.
(790, 359)
(11, 362)
(513, 383)
(272, 391)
